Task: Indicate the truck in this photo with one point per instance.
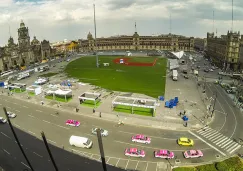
(174, 75)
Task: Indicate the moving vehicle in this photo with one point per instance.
(103, 132)
(11, 114)
(134, 152)
(193, 154)
(164, 154)
(185, 141)
(174, 75)
(141, 139)
(82, 142)
(71, 122)
(2, 120)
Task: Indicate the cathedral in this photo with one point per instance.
(26, 52)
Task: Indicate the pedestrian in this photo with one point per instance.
(42, 103)
(100, 114)
(93, 110)
(184, 112)
(77, 109)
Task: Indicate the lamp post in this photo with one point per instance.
(96, 48)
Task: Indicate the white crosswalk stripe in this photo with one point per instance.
(219, 139)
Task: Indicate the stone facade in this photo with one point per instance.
(25, 52)
(200, 44)
(163, 42)
(225, 50)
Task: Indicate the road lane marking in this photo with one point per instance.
(6, 151)
(53, 115)
(31, 132)
(38, 110)
(17, 125)
(17, 110)
(136, 165)
(5, 135)
(108, 160)
(207, 143)
(148, 135)
(15, 103)
(117, 162)
(62, 127)
(37, 154)
(46, 121)
(239, 146)
(31, 116)
(25, 164)
(51, 141)
(127, 164)
(25, 106)
(146, 167)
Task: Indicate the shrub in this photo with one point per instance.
(208, 167)
(184, 169)
(231, 164)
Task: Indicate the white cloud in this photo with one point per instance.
(73, 19)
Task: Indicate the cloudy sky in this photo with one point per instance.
(56, 20)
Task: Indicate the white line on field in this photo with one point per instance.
(6, 151)
(5, 135)
(25, 164)
(37, 154)
(207, 143)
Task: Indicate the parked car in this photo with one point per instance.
(11, 114)
(193, 154)
(102, 131)
(134, 152)
(185, 141)
(141, 139)
(71, 122)
(164, 154)
(2, 120)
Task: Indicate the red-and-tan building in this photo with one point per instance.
(135, 42)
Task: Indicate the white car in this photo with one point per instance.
(11, 114)
(103, 132)
(2, 120)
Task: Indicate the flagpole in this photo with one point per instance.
(96, 48)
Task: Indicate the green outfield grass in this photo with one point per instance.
(149, 80)
(136, 110)
(90, 103)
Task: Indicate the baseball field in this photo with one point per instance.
(145, 75)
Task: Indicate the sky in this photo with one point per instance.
(56, 20)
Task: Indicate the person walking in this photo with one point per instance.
(100, 114)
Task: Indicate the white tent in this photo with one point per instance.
(59, 93)
(178, 54)
(34, 89)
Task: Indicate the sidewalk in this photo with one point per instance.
(130, 119)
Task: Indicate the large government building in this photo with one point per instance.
(136, 42)
(226, 50)
(25, 52)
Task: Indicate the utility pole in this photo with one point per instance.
(96, 48)
(17, 140)
(48, 150)
(215, 99)
(102, 154)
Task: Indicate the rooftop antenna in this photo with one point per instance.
(232, 25)
(213, 21)
(170, 23)
(135, 26)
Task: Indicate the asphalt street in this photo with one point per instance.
(33, 119)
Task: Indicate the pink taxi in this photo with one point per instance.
(164, 154)
(141, 139)
(71, 122)
(134, 152)
(193, 154)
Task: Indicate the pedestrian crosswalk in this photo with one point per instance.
(219, 139)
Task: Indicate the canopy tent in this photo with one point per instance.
(178, 54)
(35, 89)
(134, 102)
(18, 86)
(90, 97)
(174, 64)
(59, 93)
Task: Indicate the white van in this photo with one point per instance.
(82, 142)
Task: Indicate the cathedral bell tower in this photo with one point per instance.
(23, 36)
